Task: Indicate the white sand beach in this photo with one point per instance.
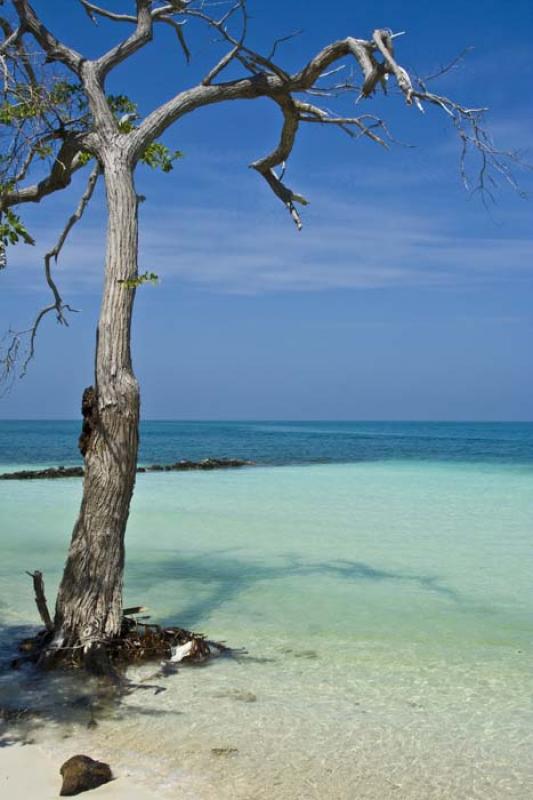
(28, 773)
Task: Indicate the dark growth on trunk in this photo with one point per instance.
(89, 410)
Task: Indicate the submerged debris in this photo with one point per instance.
(14, 714)
(139, 641)
(224, 751)
(241, 695)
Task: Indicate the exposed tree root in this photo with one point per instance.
(138, 642)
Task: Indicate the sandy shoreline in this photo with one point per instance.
(28, 773)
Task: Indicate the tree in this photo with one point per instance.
(56, 110)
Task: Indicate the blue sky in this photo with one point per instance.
(402, 298)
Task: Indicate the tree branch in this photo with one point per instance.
(93, 11)
(257, 85)
(54, 49)
(265, 166)
(365, 124)
(66, 163)
(237, 44)
(374, 58)
(158, 15)
(383, 41)
(11, 36)
(58, 306)
(140, 36)
(13, 39)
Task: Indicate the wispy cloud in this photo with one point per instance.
(362, 244)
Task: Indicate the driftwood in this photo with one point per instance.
(178, 466)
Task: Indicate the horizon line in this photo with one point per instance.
(284, 419)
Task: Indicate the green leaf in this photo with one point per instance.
(134, 283)
(12, 230)
(159, 156)
(121, 104)
(84, 157)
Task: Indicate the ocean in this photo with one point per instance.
(378, 575)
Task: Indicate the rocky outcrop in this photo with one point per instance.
(81, 773)
(49, 472)
(207, 463)
(178, 466)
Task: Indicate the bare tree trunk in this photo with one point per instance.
(89, 603)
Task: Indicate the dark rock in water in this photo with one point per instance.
(49, 472)
(224, 751)
(178, 466)
(81, 773)
(241, 695)
(206, 464)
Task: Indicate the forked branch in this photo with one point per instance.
(54, 49)
(265, 166)
(68, 161)
(140, 37)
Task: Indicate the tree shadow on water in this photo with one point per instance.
(31, 699)
(227, 576)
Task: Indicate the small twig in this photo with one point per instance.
(447, 68)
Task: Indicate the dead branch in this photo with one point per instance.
(178, 29)
(58, 305)
(265, 166)
(93, 11)
(375, 58)
(140, 36)
(9, 360)
(364, 124)
(383, 41)
(451, 65)
(54, 49)
(66, 163)
(235, 50)
(40, 599)
(157, 15)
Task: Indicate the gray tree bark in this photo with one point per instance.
(89, 603)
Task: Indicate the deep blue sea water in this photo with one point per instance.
(277, 443)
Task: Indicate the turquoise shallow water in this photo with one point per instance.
(385, 605)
